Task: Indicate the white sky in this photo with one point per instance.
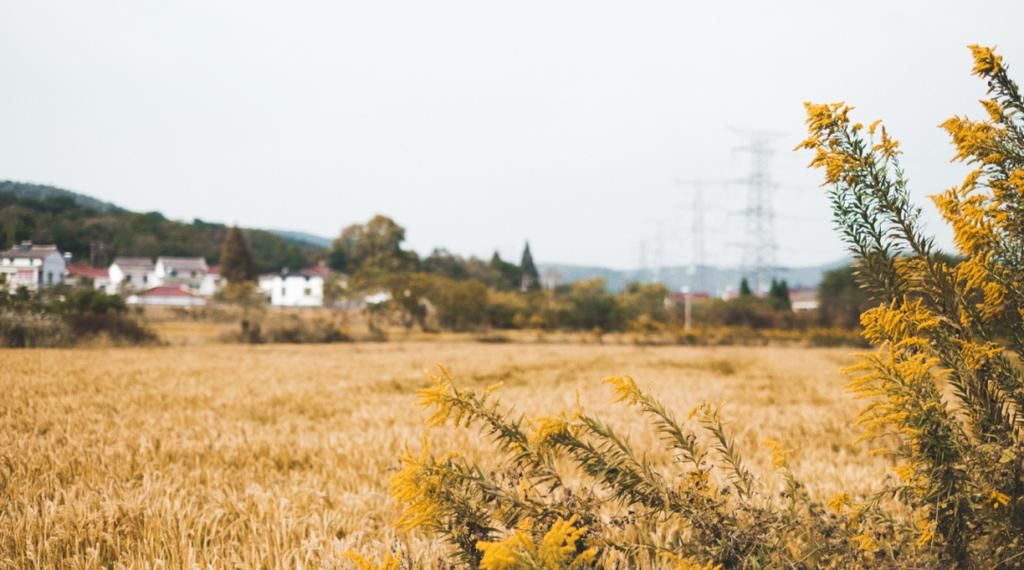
(478, 124)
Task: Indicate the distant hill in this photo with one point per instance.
(709, 279)
(96, 231)
(304, 238)
(44, 192)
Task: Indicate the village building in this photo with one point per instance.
(79, 274)
(32, 266)
(803, 299)
(303, 288)
(696, 296)
(130, 274)
(184, 271)
(166, 296)
(211, 282)
(551, 279)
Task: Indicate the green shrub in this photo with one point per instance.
(291, 329)
(33, 330)
(71, 316)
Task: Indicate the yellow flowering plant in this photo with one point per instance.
(707, 511)
(568, 491)
(942, 320)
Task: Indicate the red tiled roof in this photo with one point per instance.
(85, 270)
(317, 271)
(680, 296)
(166, 291)
(213, 270)
(803, 294)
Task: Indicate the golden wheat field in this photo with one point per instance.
(279, 456)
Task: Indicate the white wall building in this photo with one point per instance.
(185, 271)
(131, 274)
(211, 282)
(32, 266)
(803, 299)
(299, 289)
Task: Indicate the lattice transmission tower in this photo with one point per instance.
(760, 248)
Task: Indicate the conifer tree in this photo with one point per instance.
(745, 288)
(530, 277)
(236, 263)
(778, 294)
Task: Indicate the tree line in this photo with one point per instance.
(446, 291)
(439, 290)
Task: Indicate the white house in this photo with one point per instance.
(131, 274)
(186, 271)
(211, 282)
(803, 299)
(32, 266)
(299, 289)
(166, 296)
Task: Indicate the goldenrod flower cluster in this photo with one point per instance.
(558, 549)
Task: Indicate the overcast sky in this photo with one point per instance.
(476, 124)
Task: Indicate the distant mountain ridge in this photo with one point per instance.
(707, 279)
(303, 237)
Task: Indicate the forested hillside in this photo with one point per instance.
(43, 192)
(96, 231)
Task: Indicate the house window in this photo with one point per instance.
(283, 291)
(128, 278)
(307, 291)
(193, 274)
(145, 278)
(49, 277)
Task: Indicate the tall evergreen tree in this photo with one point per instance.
(236, 263)
(530, 277)
(745, 288)
(779, 295)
